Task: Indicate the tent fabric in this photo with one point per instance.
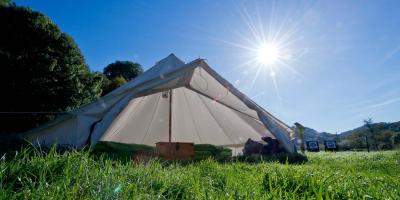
(208, 121)
(204, 83)
(143, 121)
(55, 133)
(281, 131)
(191, 100)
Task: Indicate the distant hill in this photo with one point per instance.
(313, 135)
(394, 126)
(384, 136)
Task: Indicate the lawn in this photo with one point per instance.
(29, 174)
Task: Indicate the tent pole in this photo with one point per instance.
(170, 116)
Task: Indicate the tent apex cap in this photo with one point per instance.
(171, 54)
(174, 57)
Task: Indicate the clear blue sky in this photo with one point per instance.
(340, 59)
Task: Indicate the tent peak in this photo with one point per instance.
(171, 59)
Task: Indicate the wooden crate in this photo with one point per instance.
(175, 150)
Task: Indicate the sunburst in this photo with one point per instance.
(268, 47)
(268, 54)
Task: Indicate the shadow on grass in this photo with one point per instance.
(124, 153)
(284, 158)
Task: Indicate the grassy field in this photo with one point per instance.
(79, 175)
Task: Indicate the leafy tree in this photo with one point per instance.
(384, 139)
(42, 69)
(119, 73)
(112, 84)
(126, 69)
(396, 139)
(5, 2)
(368, 123)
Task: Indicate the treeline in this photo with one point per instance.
(43, 72)
(380, 136)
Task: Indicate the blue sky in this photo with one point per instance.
(340, 60)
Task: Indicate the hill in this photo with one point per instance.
(384, 135)
(313, 135)
(394, 126)
(380, 136)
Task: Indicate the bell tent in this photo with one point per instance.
(170, 102)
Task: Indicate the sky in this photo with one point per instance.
(339, 61)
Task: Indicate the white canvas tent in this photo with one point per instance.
(171, 101)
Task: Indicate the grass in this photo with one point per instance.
(30, 174)
(125, 151)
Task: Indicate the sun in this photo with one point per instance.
(268, 54)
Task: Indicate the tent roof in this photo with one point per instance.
(193, 82)
(161, 68)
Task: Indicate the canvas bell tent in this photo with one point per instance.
(170, 102)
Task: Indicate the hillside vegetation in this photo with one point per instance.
(384, 136)
(29, 174)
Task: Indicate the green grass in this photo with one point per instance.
(125, 151)
(30, 174)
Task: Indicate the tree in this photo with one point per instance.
(5, 2)
(396, 139)
(126, 69)
(110, 85)
(369, 124)
(119, 73)
(385, 139)
(42, 69)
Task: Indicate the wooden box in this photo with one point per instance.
(175, 150)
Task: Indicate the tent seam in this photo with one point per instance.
(216, 120)
(230, 107)
(191, 117)
(225, 82)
